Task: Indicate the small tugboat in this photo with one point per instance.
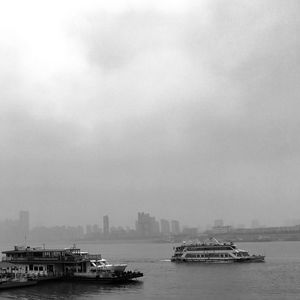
(67, 264)
(212, 251)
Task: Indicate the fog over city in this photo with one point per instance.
(188, 110)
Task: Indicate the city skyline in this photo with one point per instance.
(162, 225)
(147, 227)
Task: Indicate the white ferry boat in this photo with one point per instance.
(100, 269)
(212, 251)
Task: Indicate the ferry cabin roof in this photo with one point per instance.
(206, 247)
(26, 250)
(23, 255)
(57, 256)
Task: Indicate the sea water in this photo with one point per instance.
(277, 278)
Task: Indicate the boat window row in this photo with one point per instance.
(207, 255)
(241, 254)
(214, 248)
(36, 268)
(52, 253)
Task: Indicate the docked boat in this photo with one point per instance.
(102, 271)
(213, 251)
(67, 264)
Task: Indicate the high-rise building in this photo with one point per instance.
(24, 224)
(146, 226)
(175, 227)
(88, 229)
(165, 227)
(106, 225)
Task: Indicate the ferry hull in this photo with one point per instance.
(251, 259)
(119, 278)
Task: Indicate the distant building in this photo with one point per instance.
(165, 227)
(106, 225)
(218, 223)
(255, 224)
(221, 229)
(192, 232)
(96, 228)
(175, 227)
(241, 226)
(88, 229)
(24, 224)
(146, 226)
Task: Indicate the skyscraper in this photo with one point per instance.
(146, 226)
(164, 227)
(175, 227)
(24, 224)
(106, 225)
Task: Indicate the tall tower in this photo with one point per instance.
(24, 224)
(175, 227)
(106, 225)
(165, 227)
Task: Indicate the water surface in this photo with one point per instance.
(277, 278)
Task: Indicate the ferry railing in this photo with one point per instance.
(30, 258)
(93, 256)
(53, 259)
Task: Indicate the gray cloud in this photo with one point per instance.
(189, 115)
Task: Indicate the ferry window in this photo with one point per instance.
(36, 268)
(191, 255)
(41, 268)
(31, 267)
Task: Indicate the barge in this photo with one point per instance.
(42, 264)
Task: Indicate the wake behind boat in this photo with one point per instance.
(213, 251)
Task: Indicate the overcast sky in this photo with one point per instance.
(188, 110)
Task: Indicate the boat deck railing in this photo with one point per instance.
(93, 256)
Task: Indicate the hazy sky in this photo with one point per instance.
(188, 110)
